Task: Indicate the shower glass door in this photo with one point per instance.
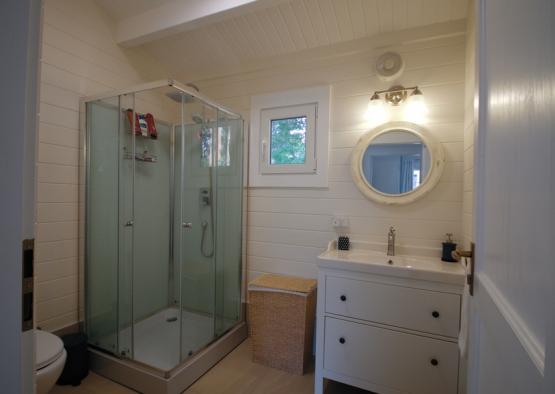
(228, 175)
(102, 223)
(153, 329)
(198, 216)
(163, 225)
(126, 229)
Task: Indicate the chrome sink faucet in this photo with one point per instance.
(391, 242)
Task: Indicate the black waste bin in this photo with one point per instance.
(77, 362)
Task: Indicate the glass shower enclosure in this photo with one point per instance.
(163, 223)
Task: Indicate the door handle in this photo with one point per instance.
(187, 225)
(469, 257)
(458, 254)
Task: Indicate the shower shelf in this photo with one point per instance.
(142, 136)
(146, 157)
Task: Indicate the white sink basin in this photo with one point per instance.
(363, 258)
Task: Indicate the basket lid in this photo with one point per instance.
(283, 283)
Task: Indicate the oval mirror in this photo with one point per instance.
(397, 163)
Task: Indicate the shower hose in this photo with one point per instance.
(204, 224)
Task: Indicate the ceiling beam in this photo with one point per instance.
(178, 16)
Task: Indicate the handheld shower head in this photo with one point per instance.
(197, 118)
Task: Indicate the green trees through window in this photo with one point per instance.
(288, 140)
(206, 148)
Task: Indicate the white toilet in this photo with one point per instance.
(50, 360)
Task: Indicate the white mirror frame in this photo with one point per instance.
(437, 162)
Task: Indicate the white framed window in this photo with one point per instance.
(289, 137)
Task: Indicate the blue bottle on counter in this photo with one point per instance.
(448, 247)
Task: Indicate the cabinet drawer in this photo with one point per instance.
(416, 309)
(405, 362)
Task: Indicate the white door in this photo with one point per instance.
(512, 333)
(19, 48)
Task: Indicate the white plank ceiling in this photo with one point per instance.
(287, 27)
(120, 9)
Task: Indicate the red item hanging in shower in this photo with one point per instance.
(151, 126)
(130, 118)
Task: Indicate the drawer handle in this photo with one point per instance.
(342, 340)
(343, 297)
(434, 362)
(435, 314)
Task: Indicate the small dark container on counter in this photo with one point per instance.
(77, 362)
(343, 243)
(448, 247)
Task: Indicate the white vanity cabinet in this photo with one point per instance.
(385, 327)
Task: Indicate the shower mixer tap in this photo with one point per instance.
(205, 197)
(207, 235)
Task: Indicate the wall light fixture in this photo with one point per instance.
(415, 109)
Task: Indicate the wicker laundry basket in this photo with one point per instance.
(281, 319)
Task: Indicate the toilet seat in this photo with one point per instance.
(49, 348)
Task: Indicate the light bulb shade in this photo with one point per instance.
(416, 110)
(377, 113)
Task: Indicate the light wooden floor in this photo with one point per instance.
(235, 374)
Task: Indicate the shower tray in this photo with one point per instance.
(149, 380)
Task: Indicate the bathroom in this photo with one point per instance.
(149, 234)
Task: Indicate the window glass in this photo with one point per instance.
(288, 140)
(224, 141)
(205, 147)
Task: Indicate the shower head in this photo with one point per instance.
(178, 96)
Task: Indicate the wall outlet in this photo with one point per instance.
(340, 222)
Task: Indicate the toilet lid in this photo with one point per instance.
(48, 348)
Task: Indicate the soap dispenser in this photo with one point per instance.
(343, 243)
(448, 247)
